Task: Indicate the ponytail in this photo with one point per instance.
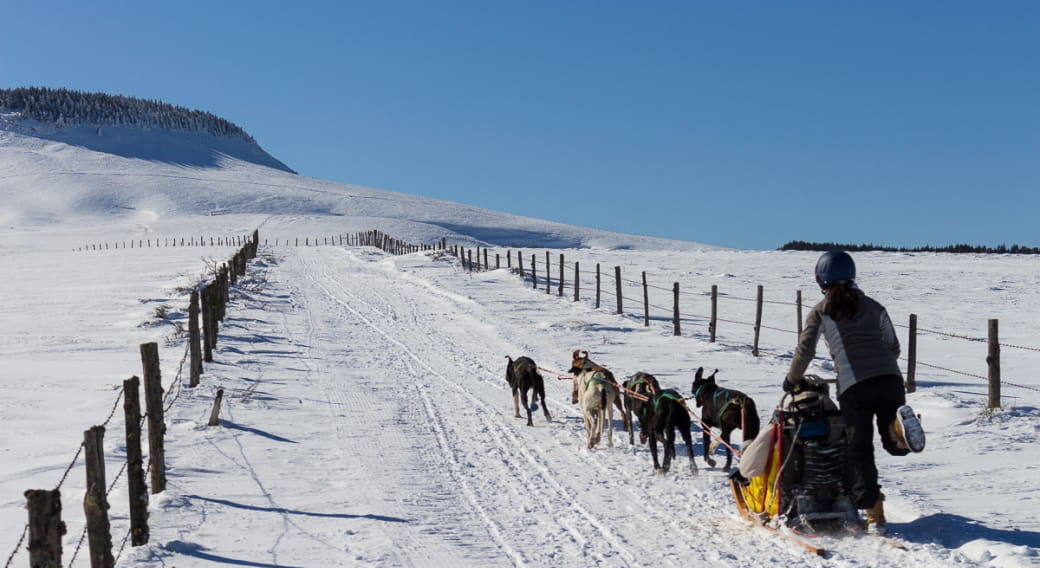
(842, 301)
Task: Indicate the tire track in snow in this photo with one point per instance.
(433, 417)
(505, 439)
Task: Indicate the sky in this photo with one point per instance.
(745, 125)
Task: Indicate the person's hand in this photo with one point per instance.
(793, 384)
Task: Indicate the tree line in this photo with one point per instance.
(64, 107)
(958, 248)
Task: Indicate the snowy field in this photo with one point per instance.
(368, 422)
(366, 418)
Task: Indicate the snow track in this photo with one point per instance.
(373, 394)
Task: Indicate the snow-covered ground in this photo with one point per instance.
(367, 421)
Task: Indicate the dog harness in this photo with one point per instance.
(596, 372)
(598, 377)
(728, 397)
(670, 393)
(641, 381)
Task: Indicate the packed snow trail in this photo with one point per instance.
(368, 423)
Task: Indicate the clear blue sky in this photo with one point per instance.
(743, 124)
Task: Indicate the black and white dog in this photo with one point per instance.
(522, 376)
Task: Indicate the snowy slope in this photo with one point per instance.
(48, 182)
(367, 420)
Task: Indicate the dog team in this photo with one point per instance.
(659, 413)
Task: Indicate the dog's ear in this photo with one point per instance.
(700, 373)
(586, 354)
(712, 377)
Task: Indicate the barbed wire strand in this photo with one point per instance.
(75, 552)
(10, 558)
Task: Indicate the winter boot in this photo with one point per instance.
(876, 516)
(909, 433)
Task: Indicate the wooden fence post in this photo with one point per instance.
(798, 309)
(548, 274)
(520, 263)
(45, 527)
(222, 298)
(617, 282)
(675, 310)
(95, 502)
(993, 360)
(214, 415)
(486, 265)
(534, 272)
(469, 261)
(498, 261)
(911, 356)
(597, 285)
(135, 463)
(577, 281)
(713, 322)
(561, 275)
(758, 320)
(509, 259)
(153, 392)
(206, 307)
(194, 338)
(646, 303)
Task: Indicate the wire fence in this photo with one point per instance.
(168, 398)
(620, 293)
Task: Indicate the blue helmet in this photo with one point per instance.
(835, 268)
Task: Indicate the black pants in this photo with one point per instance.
(878, 397)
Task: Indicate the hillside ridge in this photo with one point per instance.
(129, 127)
(65, 107)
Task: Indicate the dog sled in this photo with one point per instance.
(792, 472)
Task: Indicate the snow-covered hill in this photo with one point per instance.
(51, 176)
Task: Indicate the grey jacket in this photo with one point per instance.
(862, 347)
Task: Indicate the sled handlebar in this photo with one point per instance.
(817, 380)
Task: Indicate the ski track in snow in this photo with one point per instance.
(394, 386)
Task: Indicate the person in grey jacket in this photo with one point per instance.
(865, 350)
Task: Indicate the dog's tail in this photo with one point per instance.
(750, 421)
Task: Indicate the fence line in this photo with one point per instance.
(676, 315)
(45, 523)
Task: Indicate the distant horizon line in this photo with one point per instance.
(958, 248)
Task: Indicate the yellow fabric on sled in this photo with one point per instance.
(760, 495)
